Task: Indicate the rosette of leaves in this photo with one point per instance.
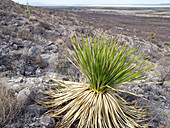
(106, 65)
(27, 12)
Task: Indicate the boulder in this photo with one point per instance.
(34, 51)
(32, 18)
(23, 97)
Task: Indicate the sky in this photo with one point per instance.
(90, 2)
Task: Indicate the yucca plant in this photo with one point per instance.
(106, 65)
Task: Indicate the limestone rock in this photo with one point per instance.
(23, 96)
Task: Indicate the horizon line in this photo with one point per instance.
(53, 4)
(112, 5)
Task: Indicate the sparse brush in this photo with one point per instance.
(106, 65)
(9, 108)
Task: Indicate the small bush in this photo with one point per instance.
(50, 12)
(152, 34)
(105, 24)
(167, 43)
(27, 12)
(24, 34)
(149, 38)
(65, 11)
(153, 37)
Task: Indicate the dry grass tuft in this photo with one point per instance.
(9, 108)
(89, 108)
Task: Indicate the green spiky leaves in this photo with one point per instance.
(105, 63)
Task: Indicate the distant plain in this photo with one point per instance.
(148, 22)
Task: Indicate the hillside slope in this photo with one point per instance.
(33, 47)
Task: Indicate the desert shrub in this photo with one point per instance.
(151, 36)
(7, 31)
(27, 12)
(50, 12)
(58, 12)
(105, 24)
(33, 12)
(24, 34)
(9, 108)
(65, 11)
(167, 43)
(106, 65)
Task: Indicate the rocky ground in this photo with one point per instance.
(127, 22)
(33, 48)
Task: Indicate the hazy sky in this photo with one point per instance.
(89, 2)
